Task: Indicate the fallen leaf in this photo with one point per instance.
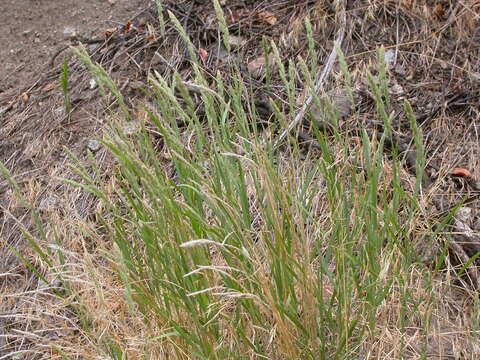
(109, 32)
(152, 34)
(408, 3)
(49, 86)
(257, 65)
(241, 15)
(439, 11)
(128, 26)
(266, 16)
(203, 55)
(461, 172)
(232, 19)
(24, 97)
(151, 38)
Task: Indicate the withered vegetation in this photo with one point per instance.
(356, 237)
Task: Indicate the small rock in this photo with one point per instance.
(70, 32)
(93, 145)
(55, 284)
(340, 102)
(400, 70)
(92, 83)
(236, 41)
(76, 98)
(60, 111)
(137, 85)
(48, 203)
(389, 56)
(131, 128)
(397, 90)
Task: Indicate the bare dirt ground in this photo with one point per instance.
(30, 143)
(433, 49)
(32, 30)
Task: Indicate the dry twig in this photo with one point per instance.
(340, 9)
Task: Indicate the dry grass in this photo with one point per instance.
(428, 312)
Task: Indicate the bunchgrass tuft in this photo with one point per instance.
(232, 249)
(245, 251)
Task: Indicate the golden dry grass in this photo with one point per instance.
(42, 325)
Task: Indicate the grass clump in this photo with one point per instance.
(245, 252)
(227, 248)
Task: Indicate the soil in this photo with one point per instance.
(32, 122)
(32, 30)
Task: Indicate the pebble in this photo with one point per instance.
(93, 84)
(55, 284)
(70, 32)
(131, 128)
(236, 41)
(389, 56)
(256, 67)
(397, 89)
(48, 203)
(340, 102)
(93, 145)
(60, 111)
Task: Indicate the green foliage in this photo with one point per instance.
(232, 243)
(161, 19)
(249, 252)
(65, 87)
(102, 79)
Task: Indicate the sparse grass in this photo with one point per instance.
(218, 246)
(65, 86)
